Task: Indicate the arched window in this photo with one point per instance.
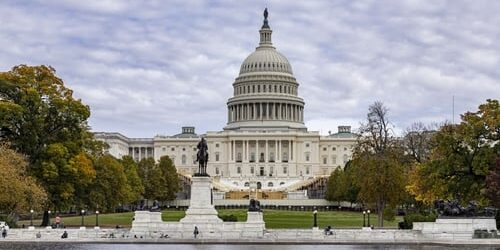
(247, 184)
(270, 184)
(282, 183)
(259, 185)
(238, 170)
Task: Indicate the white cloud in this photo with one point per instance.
(150, 67)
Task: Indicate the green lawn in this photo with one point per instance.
(273, 219)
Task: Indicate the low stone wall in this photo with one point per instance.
(453, 228)
(73, 234)
(147, 223)
(283, 236)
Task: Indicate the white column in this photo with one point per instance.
(276, 151)
(289, 145)
(140, 153)
(257, 155)
(278, 157)
(246, 150)
(266, 156)
(293, 151)
(249, 111)
(232, 150)
(267, 111)
(261, 115)
(254, 111)
(287, 115)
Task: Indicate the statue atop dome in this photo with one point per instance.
(265, 25)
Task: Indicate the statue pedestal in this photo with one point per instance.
(201, 209)
(454, 228)
(255, 226)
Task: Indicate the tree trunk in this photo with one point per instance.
(380, 213)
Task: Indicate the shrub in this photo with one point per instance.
(229, 217)
(408, 220)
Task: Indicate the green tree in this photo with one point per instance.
(169, 172)
(110, 188)
(41, 119)
(133, 180)
(461, 158)
(337, 186)
(151, 178)
(379, 164)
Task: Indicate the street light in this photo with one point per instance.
(368, 218)
(31, 220)
(364, 218)
(96, 218)
(315, 218)
(83, 217)
(49, 217)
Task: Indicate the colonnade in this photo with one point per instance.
(139, 153)
(261, 150)
(265, 111)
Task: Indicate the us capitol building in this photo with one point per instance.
(265, 142)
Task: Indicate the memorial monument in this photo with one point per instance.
(201, 216)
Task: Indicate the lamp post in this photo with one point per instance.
(368, 212)
(49, 216)
(83, 217)
(364, 218)
(315, 213)
(96, 218)
(31, 218)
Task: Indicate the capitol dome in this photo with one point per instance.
(265, 91)
(266, 59)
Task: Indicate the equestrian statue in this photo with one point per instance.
(202, 158)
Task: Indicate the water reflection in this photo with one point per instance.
(79, 246)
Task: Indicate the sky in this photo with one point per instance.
(150, 67)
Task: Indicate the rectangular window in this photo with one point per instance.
(252, 170)
(285, 169)
(307, 170)
(216, 156)
(324, 160)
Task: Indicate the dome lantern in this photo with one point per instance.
(265, 33)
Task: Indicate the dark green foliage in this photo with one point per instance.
(408, 220)
(229, 218)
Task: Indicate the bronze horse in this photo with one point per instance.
(202, 157)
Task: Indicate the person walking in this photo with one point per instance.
(196, 232)
(4, 233)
